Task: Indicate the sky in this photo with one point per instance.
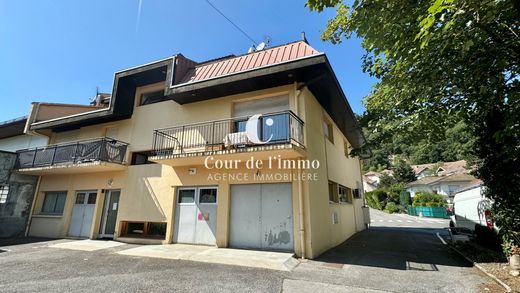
(61, 51)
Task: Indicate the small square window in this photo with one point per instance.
(186, 196)
(208, 195)
(92, 198)
(4, 191)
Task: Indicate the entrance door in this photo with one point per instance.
(261, 216)
(82, 214)
(110, 209)
(196, 216)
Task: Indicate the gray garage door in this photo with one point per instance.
(261, 217)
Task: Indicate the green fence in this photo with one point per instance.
(430, 212)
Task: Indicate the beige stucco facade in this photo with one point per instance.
(149, 191)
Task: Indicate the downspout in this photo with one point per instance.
(298, 91)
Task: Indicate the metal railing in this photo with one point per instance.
(219, 135)
(100, 149)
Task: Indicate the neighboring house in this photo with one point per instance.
(440, 169)
(161, 164)
(444, 185)
(16, 190)
(371, 179)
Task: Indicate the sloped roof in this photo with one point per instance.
(233, 65)
(425, 181)
(419, 168)
(429, 180)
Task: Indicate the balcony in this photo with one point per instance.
(278, 133)
(93, 155)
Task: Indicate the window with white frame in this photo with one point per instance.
(54, 202)
(4, 191)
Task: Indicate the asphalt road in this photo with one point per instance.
(391, 256)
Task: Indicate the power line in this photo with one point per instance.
(230, 21)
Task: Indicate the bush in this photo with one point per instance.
(423, 199)
(376, 199)
(391, 208)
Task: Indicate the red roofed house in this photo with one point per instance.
(248, 151)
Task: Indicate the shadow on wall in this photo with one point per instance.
(395, 248)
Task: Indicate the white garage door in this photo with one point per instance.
(261, 217)
(196, 216)
(82, 214)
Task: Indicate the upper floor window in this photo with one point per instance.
(140, 159)
(346, 148)
(152, 97)
(4, 191)
(54, 202)
(328, 130)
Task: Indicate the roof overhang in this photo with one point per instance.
(122, 102)
(314, 71)
(12, 127)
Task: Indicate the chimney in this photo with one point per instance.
(303, 37)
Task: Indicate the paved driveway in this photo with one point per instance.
(385, 258)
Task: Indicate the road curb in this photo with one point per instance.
(508, 289)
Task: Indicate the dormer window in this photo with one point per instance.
(152, 97)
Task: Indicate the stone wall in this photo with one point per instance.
(14, 214)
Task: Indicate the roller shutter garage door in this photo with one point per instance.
(261, 217)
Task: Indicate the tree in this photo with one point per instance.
(441, 61)
(403, 172)
(386, 181)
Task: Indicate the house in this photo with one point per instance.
(440, 169)
(371, 179)
(444, 185)
(16, 190)
(248, 151)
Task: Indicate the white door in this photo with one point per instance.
(82, 214)
(261, 217)
(196, 216)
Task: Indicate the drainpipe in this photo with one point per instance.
(300, 210)
(298, 90)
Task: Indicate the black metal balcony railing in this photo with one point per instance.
(101, 149)
(214, 136)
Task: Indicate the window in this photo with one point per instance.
(356, 193)
(346, 147)
(4, 191)
(208, 195)
(152, 97)
(154, 230)
(54, 202)
(328, 131)
(333, 192)
(140, 159)
(186, 196)
(345, 194)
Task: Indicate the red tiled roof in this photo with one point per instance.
(227, 66)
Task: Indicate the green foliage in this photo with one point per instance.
(440, 62)
(376, 199)
(403, 173)
(404, 199)
(391, 208)
(424, 199)
(386, 181)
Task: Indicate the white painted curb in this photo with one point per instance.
(508, 289)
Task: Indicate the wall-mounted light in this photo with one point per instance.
(110, 181)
